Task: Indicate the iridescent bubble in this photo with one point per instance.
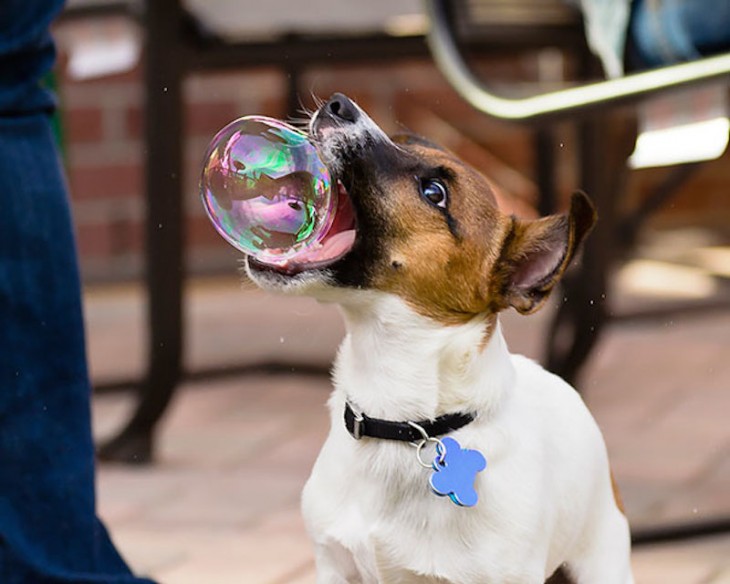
(266, 190)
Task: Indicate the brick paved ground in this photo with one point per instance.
(221, 505)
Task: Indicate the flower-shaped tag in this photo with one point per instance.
(455, 471)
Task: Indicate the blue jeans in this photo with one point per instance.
(49, 532)
(670, 31)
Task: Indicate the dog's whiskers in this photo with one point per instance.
(299, 123)
(318, 102)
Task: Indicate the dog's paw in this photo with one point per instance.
(455, 472)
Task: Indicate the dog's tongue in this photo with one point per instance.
(338, 240)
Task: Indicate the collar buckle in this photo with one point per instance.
(357, 425)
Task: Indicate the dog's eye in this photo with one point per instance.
(434, 191)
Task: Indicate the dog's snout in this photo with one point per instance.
(342, 108)
(344, 133)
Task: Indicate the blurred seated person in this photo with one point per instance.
(641, 34)
(49, 532)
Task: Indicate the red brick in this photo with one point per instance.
(109, 239)
(113, 180)
(200, 232)
(205, 119)
(134, 123)
(126, 236)
(93, 240)
(83, 124)
(272, 106)
(208, 118)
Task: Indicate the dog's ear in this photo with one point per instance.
(536, 253)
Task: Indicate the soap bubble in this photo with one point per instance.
(266, 190)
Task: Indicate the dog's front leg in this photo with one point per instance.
(606, 557)
(335, 564)
(402, 576)
(390, 572)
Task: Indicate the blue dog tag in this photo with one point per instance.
(455, 470)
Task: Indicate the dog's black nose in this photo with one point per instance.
(342, 108)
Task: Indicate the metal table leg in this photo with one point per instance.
(164, 231)
(173, 48)
(544, 141)
(605, 144)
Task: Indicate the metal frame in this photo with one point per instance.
(175, 47)
(565, 102)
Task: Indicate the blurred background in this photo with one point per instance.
(210, 494)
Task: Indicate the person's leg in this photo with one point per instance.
(49, 533)
(662, 32)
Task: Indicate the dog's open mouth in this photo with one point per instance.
(336, 243)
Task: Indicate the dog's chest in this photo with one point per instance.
(372, 501)
(377, 504)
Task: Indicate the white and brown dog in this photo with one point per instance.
(421, 262)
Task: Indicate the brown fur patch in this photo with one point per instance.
(467, 260)
(489, 332)
(617, 495)
(437, 269)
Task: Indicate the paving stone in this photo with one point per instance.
(219, 500)
(276, 551)
(125, 493)
(109, 414)
(722, 577)
(706, 497)
(696, 562)
(310, 577)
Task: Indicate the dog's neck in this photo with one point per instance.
(398, 365)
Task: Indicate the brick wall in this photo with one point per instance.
(105, 153)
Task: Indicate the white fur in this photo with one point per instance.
(334, 140)
(545, 497)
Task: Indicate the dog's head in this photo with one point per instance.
(427, 229)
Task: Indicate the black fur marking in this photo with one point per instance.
(354, 270)
(453, 225)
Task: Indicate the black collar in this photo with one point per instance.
(362, 425)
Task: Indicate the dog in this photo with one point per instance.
(421, 262)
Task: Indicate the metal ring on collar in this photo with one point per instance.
(440, 448)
